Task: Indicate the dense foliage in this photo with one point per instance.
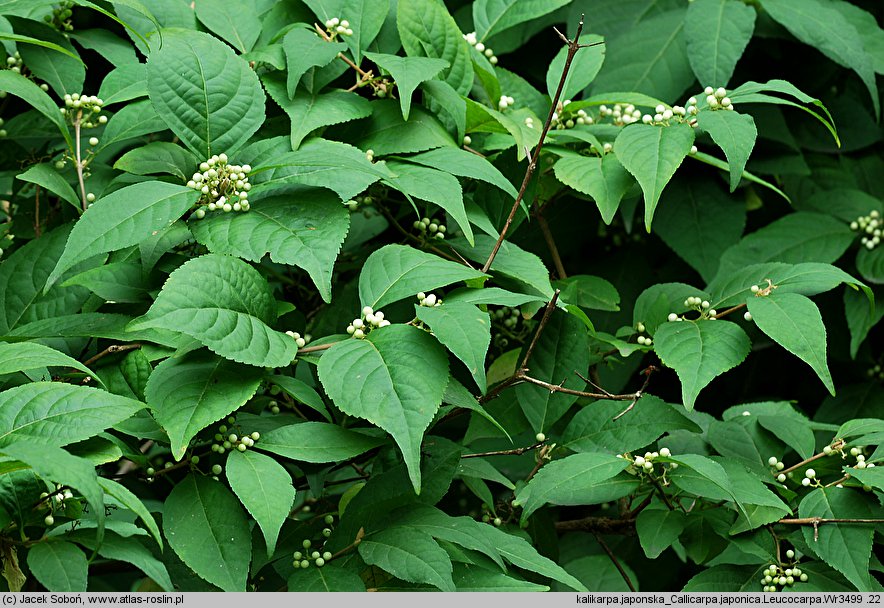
(301, 294)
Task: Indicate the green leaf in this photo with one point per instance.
(427, 30)
(588, 291)
(30, 93)
(134, 120)
(464, 164)
(860, 319)
(132, 551)
(699, 351)
(650, 57)
(209, 97)
(58, 565)
(717, 32)
(794, 432)
(125, 83)
(566, 481)
(410, 555)
(45, 175)
(584, 67)
(723, 578)
(125, 497)
(158, 157)
(366, 18)
(594, 428)
(870, 264)
(562, 348)
(464, 330)
(306, 231)
(328, 578)
(394, 272)
(302, 393)
(440, 94)
(305, 50)
(317, 442)
(482, 119)
(122, 219)
(824, 28)
(44, 43)
(690, 211)
(395, 379)
(702, 476)
(846, 548)
(522, 554)
(751, 177)
(794, 322)
(386, 132)
(803, 236)
(469, 578)
(55, 414)
(227, 306)
(408, 72)
(491, 17)
(599, 574)
(188, 394)
(434, 186)
(869, 477)
(658, 528)
(207, 528)
(239, 24)
(511, 261)
(309, 112)
(333, 165)
(22, 356)
(603, 178)
(734, 133)
(64, 72)
(265, 489)
(652, 155)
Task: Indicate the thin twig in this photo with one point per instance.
(551, 245)
(37, 212)
(573, 47)
(512, 452)
(79, 159)
(547, 312)
(615, 561)
(601, 525)
(728, 311)
(662, 493)
(638, 394)
(113, 348)
(317, 348)
(835, 446)
(817, 521)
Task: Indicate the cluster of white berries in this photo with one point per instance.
(428, 300)
(55, 500)
(224, 187)
(473, 41)
(662, 115)
(232, 441)
(337, 26)
(776, 465)
(87, 109)
(642, 340)
(645, 464)
(717, 99)
(302, 559)
(301, 341)
(431, 228)
(273, 406)
(620, 115)
(505, 102)
(775, 575)
(871, 225)
(857, 452)
(369, 320)
(810, 478)
(700, 305)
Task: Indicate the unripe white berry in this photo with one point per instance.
(781, 478)
(48, 520)
(216, 469)
(93, 141)
(639, 461)
(805, 482)
(90, 197)
(665, 452)
(540, 437)
(747, 316)
(673, 317)
(790, 554)
(810, 473)
(772, 461)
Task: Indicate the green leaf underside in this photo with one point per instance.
(317, 442)
(226, 305)
(395, 379)
(699, 351)
(59, 566)
(188, 394)
(208, 529)
(794, 322)
(410, 555)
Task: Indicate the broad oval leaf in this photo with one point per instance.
(59, 565)
(208, 96)
(795, 323)
(464, 164)
(603, 178)
(304, 229)
(717, 32)
(395, 272)
(699, 351)
(410, 555)
(464, 330)
(734, 133)
(584, 67)
(395, 379)
(52, 413)
(408, 73)
(658, 528)
(240, 28)
(652, 155)
(317, 442)
(122, 219)
(207, 528)
(29, 92)
(226, 305)
(265, 489)
(22, 356)
(188, 394)
(563, 482)
(491, 17)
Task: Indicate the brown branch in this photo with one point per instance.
(558, 388)
(600, 525)
(615, 561)
(512, 452)
(573, 47)
(728, 311)
(313, 349)
(551, 244)
(547, 312)
(113, 348)
(638, 395)
(817, 521)
(37, 212)
(835, 446)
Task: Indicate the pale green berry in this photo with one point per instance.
(195, 459)
(93, 141)
(48, 520)
(540, 437)
(320, 562)
(216, 469)
(306, 544)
